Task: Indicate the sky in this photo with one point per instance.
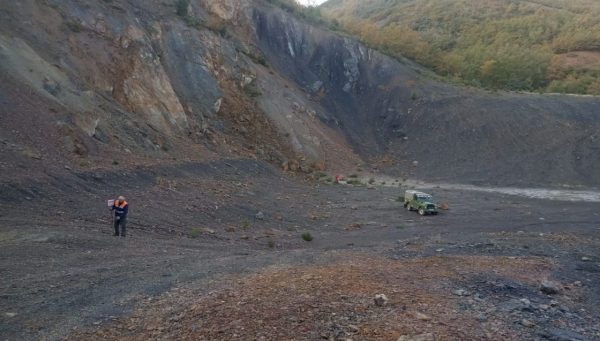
(311, 2)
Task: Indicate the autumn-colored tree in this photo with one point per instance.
(485, 43)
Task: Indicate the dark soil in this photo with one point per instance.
(195, 240)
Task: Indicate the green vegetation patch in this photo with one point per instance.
(492, 44)
(307, 236)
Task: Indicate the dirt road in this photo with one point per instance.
(198, 249)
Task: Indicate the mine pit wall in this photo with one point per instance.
(128, 79)
(396, 110)
(134, 79)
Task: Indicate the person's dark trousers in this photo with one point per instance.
(123, 223)
(116, 223)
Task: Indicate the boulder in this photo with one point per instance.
(549, 287)
(380, 300)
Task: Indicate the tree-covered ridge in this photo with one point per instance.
(539, 45)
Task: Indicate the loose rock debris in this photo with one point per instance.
(335, 302)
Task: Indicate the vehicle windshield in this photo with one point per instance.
(424, 198)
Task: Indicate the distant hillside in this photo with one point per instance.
(540, 45)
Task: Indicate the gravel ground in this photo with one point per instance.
(201, 263)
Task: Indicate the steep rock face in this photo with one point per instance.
(109, 82)
(282, 100)
(394, 111)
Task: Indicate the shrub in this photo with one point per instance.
(195, 232)
(354, 182)
(371, 181)
(252, 90)
(74, 26)
(307, 236)
(182, 7)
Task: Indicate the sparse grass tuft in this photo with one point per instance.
(271, 243)
(245, 223)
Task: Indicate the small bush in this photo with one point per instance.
(217, 25)
(74, 26)
(245, 223)
(195, 232)
(271, 243)
(252, 90)
(257, 57)
(371, 181)
(182, 7)
(354, 182)
(307, 236)
(353, 176)
(115, 162)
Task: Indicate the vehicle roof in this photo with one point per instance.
(416, 192)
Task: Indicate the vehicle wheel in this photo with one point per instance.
(421, 211)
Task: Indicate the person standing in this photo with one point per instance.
(121, 208)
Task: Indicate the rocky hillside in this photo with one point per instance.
(114, 83)
(109, 83)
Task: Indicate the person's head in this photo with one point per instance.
(121, 198)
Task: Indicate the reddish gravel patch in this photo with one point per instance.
(333, 301)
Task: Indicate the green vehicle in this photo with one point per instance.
(419, 201)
